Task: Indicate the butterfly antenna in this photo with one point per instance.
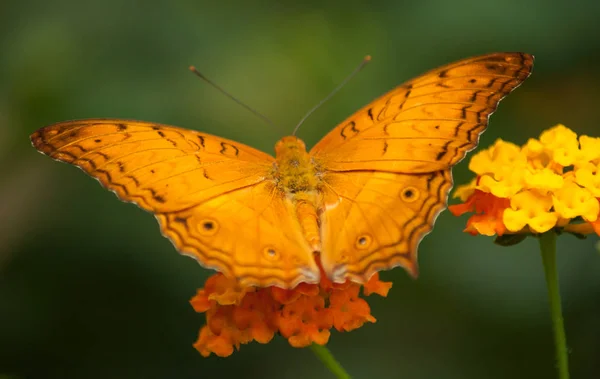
(335, 90)
(254, 111)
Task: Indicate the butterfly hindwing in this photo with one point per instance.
(385, 216)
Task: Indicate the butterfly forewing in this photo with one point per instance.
(428, 123)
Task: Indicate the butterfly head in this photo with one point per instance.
(289, 145)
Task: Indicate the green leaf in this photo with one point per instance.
(510, 239)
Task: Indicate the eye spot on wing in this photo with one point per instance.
(409, 194)
(363, 242)
(208, 227)
(270, 253)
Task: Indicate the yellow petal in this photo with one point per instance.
(543, 222)
(544, 180)
(464, 191)
(533, 148)
(590, 148)
(498, 156)
(530, 208)
(572, 201)
(496, 188)
(561, 144)
(588, 176)
(531, 201)
(514, 220)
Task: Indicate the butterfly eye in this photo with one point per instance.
(270, 253)
(409, 194)
(363, 241)
(208, 227)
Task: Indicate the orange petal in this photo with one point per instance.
(262, 333)
(460, 209)
(307, 289)
(208, 343)
(289, 326)
(348, 310)
(219, 319)
(489, 210)
(374, 285)
(200, 301)
(224, 290)
(485, 224)
(308, 337)
(300, 340)
(596, 226)
(285, 296)
(321, 337)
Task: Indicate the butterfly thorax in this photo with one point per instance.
(295, 170)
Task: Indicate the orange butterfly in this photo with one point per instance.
(359, 201)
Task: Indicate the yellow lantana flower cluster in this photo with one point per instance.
(553, 181)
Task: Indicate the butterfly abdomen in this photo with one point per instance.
(306, 212)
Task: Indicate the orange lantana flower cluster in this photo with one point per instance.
(550, 182)
(304, 315)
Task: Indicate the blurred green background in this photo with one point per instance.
(90, 289)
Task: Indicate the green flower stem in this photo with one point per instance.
(548, 250)
(329, 361)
